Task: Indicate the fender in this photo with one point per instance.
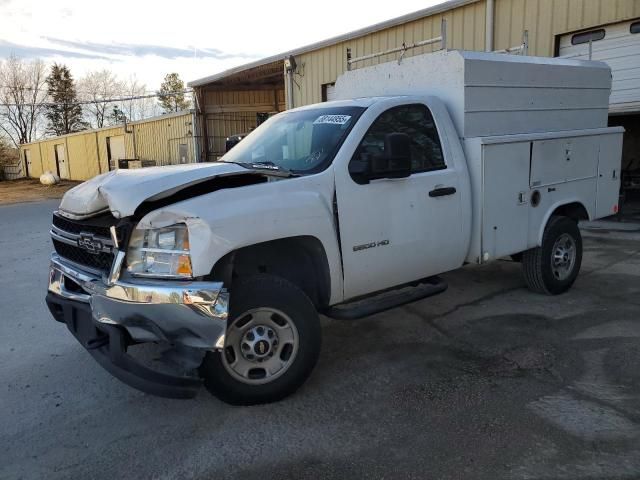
(552, 209)
(227, 220)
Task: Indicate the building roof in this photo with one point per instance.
(112, 127)
(425, 12)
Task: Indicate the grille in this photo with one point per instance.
(98, 227)
(77, 227)
(100, 261)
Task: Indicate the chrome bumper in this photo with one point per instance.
(193, 314)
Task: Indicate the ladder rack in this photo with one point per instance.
(442, 39)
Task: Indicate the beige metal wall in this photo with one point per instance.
(86, 152)
(465, 29)
(230, 112)
(159, 140)
(243, 101)
(544, 19)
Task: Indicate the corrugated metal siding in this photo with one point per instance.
(158, 140)
(86, 152)
(244, 100)
(83, 156)
(48, 155)
(544, 19)
(233, 112)
(222, 125)
(465, 30)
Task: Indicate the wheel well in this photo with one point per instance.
(301, 260)
(574, 211)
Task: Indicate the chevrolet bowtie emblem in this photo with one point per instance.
(91, 244)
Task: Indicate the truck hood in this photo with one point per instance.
(122, 191)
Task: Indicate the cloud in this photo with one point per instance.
(28, 51)
(140, 50)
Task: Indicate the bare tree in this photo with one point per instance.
(137, 108)
(95, 88)
(22, 94)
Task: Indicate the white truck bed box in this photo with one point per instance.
(527, 124)
(494, 94)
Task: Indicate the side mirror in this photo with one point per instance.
(396, 160)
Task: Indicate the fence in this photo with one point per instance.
(12, 171)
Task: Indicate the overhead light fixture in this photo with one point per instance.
(290, 64)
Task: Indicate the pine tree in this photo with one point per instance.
(171, 94)
(63, 115)
(117, 116)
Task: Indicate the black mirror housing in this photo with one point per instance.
(396, 160)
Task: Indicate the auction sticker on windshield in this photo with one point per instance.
(332, 119)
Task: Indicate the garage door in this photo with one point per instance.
(619, 46)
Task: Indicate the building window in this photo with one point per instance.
(635, 27)
(586, 37)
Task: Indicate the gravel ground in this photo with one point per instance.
(486, 381)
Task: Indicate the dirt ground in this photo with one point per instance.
(31, 190)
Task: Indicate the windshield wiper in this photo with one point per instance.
(268, 166)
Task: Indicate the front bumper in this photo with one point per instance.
(107, 316)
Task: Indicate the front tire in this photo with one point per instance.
(271, 346)
(553, 267)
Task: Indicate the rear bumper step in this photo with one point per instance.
(388, 299)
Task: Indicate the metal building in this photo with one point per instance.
(237, 100)
(163, 140)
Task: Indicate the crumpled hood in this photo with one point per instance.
(122, 191)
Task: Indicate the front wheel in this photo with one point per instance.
(272, 343)
(553, 267)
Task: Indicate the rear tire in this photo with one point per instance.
(272, 343)
(553, 267)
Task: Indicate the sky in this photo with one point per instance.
(148, 39)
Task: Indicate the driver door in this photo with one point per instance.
(395, 231)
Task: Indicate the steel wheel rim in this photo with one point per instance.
(563, 257)
(260, 346)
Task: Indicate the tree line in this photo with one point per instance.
(37, 100)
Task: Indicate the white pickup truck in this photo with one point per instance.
(441, 160)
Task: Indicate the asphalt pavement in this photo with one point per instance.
(486, 381)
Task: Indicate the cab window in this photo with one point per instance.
(417, 122)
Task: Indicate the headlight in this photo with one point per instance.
(160, 252)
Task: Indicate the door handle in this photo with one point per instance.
(441, 192)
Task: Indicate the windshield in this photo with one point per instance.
(302, 142)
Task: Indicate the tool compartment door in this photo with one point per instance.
(562, 160)
(609, 169)
(505, 193)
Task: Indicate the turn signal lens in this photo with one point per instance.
(184, 265)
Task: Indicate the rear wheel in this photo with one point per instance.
(553, 267)
(271, 345)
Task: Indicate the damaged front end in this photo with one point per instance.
(109, 309)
